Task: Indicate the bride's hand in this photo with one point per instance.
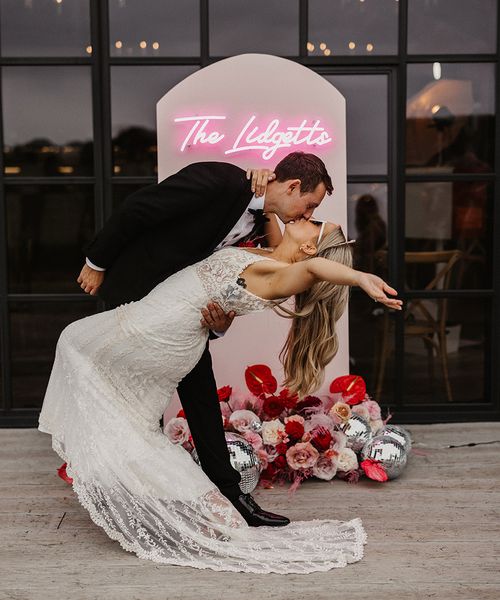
(260, 179)
(377, 289)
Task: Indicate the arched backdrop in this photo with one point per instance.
(251, 110)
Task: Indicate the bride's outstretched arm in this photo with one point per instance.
(300, 276)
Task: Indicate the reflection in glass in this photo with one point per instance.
(450, 118)
(452, 26)
(154, 28)
(46, 229)
(45, 28)
(451, 216)
(366, 105)
(352, 28)
(47, 119)
(35, 329)
(367, 224)
(445, 342)
(264, 26)
(133, 114)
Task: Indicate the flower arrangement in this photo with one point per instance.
(294, 439)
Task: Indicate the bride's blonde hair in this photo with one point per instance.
(312, 341)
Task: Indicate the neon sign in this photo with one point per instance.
(267, 139)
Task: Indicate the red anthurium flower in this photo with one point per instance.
(352, 388)
(260, 380)
(61, 471)
(224, 393)
(374, 470)
(273, 406)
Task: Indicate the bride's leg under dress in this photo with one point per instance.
(102, 407)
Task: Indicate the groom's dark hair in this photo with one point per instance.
(309, 168)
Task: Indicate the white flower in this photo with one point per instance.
(273, 432)
(242, 420)
(347, 460)
(177, 430)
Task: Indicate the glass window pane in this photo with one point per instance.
(366, 106)
(35, 329)
(450, 115)
(264, 26)
(45, 28)
(452, 26)
(352, 27)
(445, 345)
(154, 28)
(450, 216)
(133, 114)
(47, 227)
(47, 120)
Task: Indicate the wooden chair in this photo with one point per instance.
(419, 322)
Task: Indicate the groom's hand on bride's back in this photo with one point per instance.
(90, 280)
(215, 319)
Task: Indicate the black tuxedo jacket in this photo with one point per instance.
(164, 227)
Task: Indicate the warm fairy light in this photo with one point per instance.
(310, 46)
(117, 169)
(59, 1)
(369, 47)
(436, 70)
(156, 45)
(65, 170)
(327, 52)
(435, 108)
(118, 44)
(88, 49)
(352, 45)
(322, 46)
(12, 170)
(143, 44)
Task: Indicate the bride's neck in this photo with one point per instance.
(286, 251)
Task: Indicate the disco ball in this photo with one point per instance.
(243, 458)
(388, 452)
(358, 432)
(398, 433)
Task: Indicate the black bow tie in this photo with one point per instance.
(258, 215)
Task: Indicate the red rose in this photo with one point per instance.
(281, 448)
(288, 400)
(307, 405)
(247, 244)
(294, 429)
(224, 393)
(182, 414)
(280, 462)
(269, 473)
(273, 406)
(321, 439)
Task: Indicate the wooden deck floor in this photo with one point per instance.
(433, 533)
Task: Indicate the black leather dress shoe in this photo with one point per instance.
(254, 515)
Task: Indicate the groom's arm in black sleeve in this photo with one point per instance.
(183, 194)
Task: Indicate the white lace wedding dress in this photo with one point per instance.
(113, 375)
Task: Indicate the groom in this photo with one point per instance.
(164, 227)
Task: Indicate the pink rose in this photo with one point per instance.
(320, 420)
(340, 413)
(339, 441)
(242, 420)
(362, 411)
(302, 456)
(253, 438)
(373, 409)
(263, 457)
(177, 430)
(376, 424)
(326, 466)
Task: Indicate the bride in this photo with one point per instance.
(113, 371)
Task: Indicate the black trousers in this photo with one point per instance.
(200, 402)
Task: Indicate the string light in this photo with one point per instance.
(143, 44)
(327, 52)
(310, 46)
(156, 45)
(352, 45)
(436, 70)
(118, 44)
(322, 46)
(88, 49)
(369, 47)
